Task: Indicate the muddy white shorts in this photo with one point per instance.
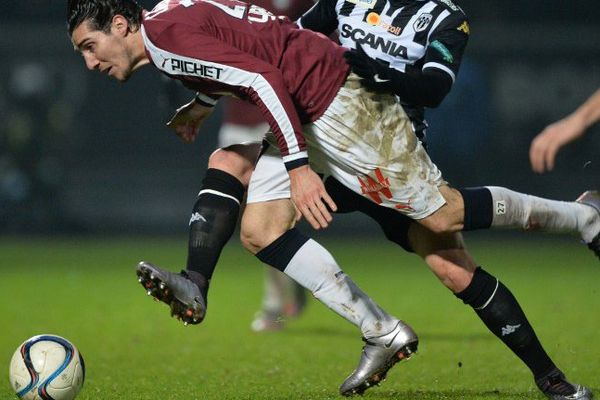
(365, 141)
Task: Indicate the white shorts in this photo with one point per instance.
(233, 133)
(365, 141)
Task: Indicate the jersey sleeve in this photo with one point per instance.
(322, 17)
(447, 44)
(195, 57)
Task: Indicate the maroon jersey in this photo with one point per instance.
(242, 112)
(227, 47)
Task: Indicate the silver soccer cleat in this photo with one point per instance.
(556, 387)
(176, 290)
(581, 393)
(379, 355)
(592, 198)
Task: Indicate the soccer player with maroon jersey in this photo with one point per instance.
(259, 57)
(243, 122)
(285, 83)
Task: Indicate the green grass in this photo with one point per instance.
(86, 291)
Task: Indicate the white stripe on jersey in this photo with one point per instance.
(415, 50)
(443, 15)
(235, 77)
(442, 67)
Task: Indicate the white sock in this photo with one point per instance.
(314, 268)
(518, 210)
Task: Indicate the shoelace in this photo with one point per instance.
(556, 383)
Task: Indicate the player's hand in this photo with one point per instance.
(375, 75)
(545, 145)
(310, 197)
(187, 120)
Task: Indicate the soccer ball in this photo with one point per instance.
(47, 367)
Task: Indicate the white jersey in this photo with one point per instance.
(404, 34)
(407, 35)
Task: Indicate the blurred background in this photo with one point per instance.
(80, 153)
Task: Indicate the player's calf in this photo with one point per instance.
(237, 160)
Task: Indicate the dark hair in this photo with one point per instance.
(99, 13)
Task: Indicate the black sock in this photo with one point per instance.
(478, 208)
(213, 221)
(501, 313)
(280, 252)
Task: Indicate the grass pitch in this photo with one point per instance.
(86, 290)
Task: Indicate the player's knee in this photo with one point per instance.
(264, 222)
(255, 237)
(453, 268)
(439, 224)
(233, 163)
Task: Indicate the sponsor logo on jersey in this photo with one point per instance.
(373, 41)
(422, 22)
(508, 329)
(375, 19)
(450, 5)
(363, 3)
(464, 27)
(443, 50)
(194, 68)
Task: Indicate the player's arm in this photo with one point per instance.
(321, 18)
(429, 86)
(188, 119)
(196, 57)
(425, 88)
(546, 144)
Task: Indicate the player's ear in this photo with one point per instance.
(120, 25)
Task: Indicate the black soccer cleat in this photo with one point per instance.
(182, 295)
(556, 387)
(592, 198)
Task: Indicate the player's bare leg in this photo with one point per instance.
(498, 207)
(449, 260)
(266, 233)
(213, 221)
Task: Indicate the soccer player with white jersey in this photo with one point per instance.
(363, 139)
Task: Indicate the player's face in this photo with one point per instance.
(106, 52)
